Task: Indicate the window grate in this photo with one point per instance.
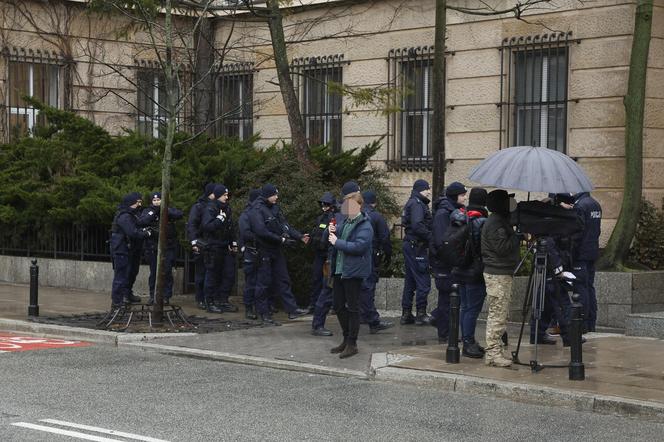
(321, 107)
(534, 90)
(39, 74)
(234, 105)
(410, 128)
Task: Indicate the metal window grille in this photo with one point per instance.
(235, 110)
(409, 74)
(320, 105)
(534, 91)
(151, 103)
(37, 74)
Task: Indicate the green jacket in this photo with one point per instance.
(500, 246)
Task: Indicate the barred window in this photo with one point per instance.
(534, 100)
(151, 103)
(410, 128)
(320, 105)
(235, 110)
(33, 74)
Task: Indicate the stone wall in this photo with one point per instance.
(84, 275)
(618, 295)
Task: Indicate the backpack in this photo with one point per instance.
(456, 250)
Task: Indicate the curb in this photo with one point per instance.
(535, 394)
(249, 360)
(80, 333)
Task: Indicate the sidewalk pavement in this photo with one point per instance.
(624, 375)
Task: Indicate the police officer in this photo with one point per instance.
(416, 219)
(125, 237)
(585, 253)
(150, 219)
(322, 297)
(219, 254)
(381, 254)
(194, 234)
(247, 245)
(320, 245)
(272, 232)
(454, 198)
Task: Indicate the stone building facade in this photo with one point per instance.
(555, 78)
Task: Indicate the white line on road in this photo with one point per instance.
(102, 430)
(64, 432)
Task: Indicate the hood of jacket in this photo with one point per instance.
(419, 196)
(445, 202)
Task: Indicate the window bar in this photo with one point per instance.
(565, 92)
(510, 74)
(501, 104)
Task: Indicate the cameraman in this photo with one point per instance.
(500, 254)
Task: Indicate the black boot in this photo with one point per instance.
(407, 317)
(250, 313)
(213, 308)
(339, 348)
(267, 320)
(473, 350)
(132, 299)
(349, 350)
(422, 318)
(228, 307)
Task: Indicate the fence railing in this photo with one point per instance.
(77, 242)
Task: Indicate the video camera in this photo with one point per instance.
(539, 218)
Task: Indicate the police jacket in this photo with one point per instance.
(269, 225)
(356, 249)
(586, 247)
(126, 236)
(194, 231)
(150, 218)
(381, 239)
(246, 235)
(500, 245)
(416, 219)
(217, 232)
(319, 241)
(476, 216)
(443, 209)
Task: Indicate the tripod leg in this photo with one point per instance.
(524, 314)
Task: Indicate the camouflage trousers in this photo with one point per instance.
(499, 293)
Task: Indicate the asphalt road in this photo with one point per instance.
(153, 396)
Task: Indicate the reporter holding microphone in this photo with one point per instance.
(351, 238)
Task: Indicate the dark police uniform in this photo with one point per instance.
(150, 218)
(416, 219)
(442, 272)
(382, 252)
(247, 245)
(272, 230)
(320, 246)
(219, 235)
(126, 236)
(194, 233)
(585, 253)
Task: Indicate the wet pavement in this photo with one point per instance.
(616, 365)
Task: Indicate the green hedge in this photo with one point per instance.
(74, 172)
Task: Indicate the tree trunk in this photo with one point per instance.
(298, 132)
(204, 93)
(438, 96)
(171, 120)
(617, 249)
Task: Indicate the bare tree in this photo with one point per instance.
(617, 249)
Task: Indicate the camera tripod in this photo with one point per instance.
(534, 299)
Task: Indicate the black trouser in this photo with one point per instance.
(347, 305)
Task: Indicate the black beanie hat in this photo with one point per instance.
(154, 195)
(219, 190)
(498, 201)
(421, 185)
(269, 190)
(350, 187)
(477, 197)
(369, 197)
(454, 189)
(253, 194)
(209, 188)
(130, 199)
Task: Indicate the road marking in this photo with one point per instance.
(11, 343)
(64, 432)
(102, 430)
